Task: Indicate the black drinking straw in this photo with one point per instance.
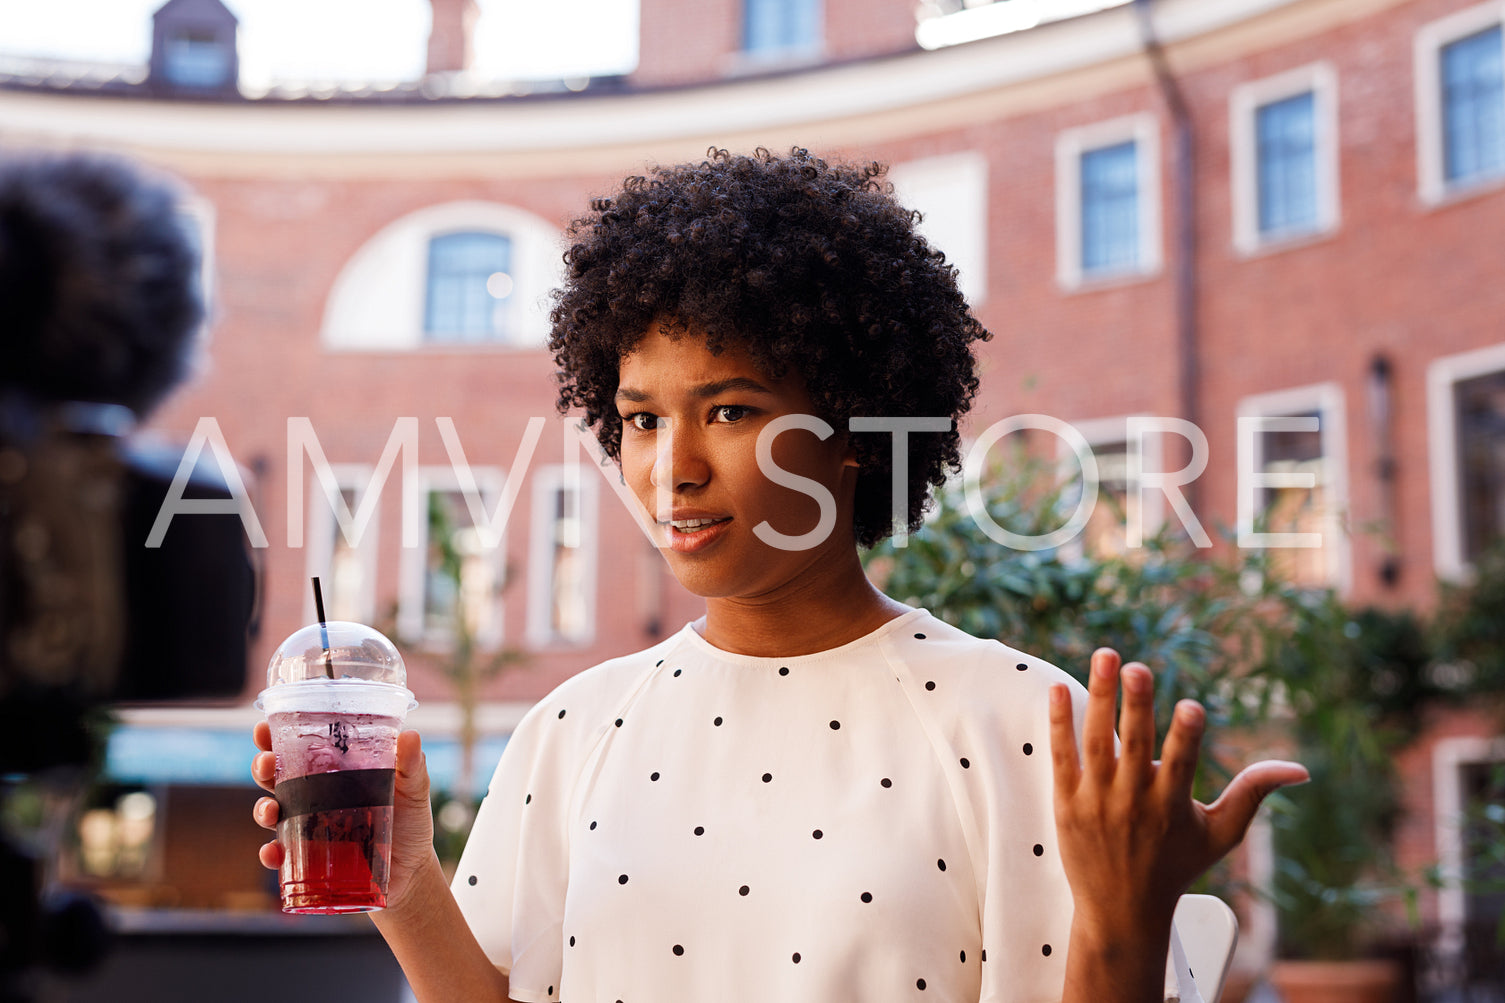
(323, 629)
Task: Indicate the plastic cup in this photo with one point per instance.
(335, 740)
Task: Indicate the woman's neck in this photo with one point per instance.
(832, 605)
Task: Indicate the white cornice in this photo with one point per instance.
(857, 102)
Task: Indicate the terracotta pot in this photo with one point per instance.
(1337, 981)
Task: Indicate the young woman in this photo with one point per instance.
(814, 792)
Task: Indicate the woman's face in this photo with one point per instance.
(690, 427)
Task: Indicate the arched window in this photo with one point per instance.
(469, 288)
(457, 275)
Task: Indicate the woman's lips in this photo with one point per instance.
(690, 540)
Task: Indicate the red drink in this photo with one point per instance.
(334, 789)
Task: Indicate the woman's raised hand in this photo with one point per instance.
(412, 821)
(1132, 838)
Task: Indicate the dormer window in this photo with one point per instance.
(193, 47)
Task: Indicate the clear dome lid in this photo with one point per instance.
(337, 650)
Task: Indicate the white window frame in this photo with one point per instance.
(1327, 400)
(1144, 129)
(1449, 756)
(1321, 79)
(546, 481)
(413, 563)
(1443, 375)
(324, 527)
(1432, 185)
(1110, 431)
(951, 192)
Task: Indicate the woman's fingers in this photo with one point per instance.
(264, 770)
(1065, 763)
(1229, 816)
(270, 855)
(1183, 747)
(261, 734)
(1136, 725)
(266, 813)
(1097, 725)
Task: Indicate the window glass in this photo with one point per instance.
(469, 288)
(1481, 460)
(196, 59)
(460, 580)
(568, 610)
(1473, 106)
(1298, 509)
(1110, 208)
(1104, 535)
(773, 25)
(346, 586)
(1286, 151)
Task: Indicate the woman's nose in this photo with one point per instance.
(680, 463)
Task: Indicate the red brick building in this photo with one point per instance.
(1296, 218)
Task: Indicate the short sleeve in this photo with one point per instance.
(516, 909)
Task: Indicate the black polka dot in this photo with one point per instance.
(700, 830)
(1045, 949)
(677, 672)
(767, 777)
(1039, 850)
(919, 637)
(867, 896)
(717, 722)
(930, 685)
(551, 990)
(796, 958)
(886, 782)
(621, 879)
(619, 722)
(964, 957)
(653, 775)
(965, 763)
(941, 864)
(743, 890)
(919, 983)
(984, 954)
(1021, 666)
(472, 879)
(593, 825)
(783, 670)
(678, 950)
(572, 941)
(528, 799)
(817, 834)
(1029, 750)
(561, 715)
(835, 725)
(658, 663)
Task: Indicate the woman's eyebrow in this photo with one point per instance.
(719, 387)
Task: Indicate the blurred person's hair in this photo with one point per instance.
(99, 288)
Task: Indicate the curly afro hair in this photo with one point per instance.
(812, 268)
(99, 297)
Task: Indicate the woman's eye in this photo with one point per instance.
(729, 413)
(642, 421)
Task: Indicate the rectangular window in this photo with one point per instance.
(469, 288)
(1298, 489)
(1283, 151)
(1480, 404)
(450, 589)
(1473, 106)
(562, 572)
(1466, 447)
(1110, 209)
(1285, 136)
(197, 59)
(1107, 201)
(951, 192)
(781, 26)
(1460, 102)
